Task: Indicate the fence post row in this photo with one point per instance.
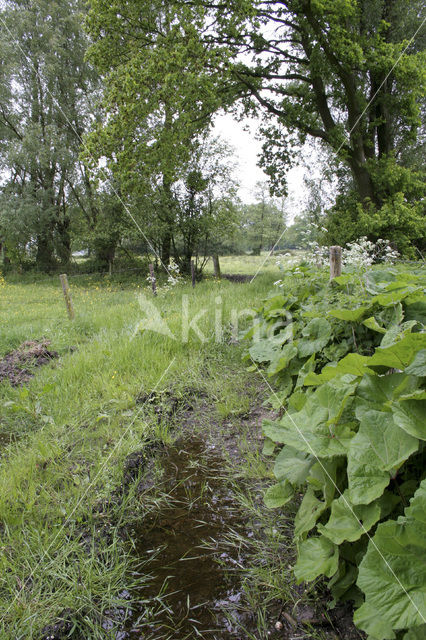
(193, 273)
(67, 295)
(335, 262)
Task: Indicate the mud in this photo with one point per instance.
(18, 366)
(237, 277)
(194, 578)
(193, 548)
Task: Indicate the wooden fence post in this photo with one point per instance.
(216, 266)
(153, 280)
(335, 262)
(193, 273)
(67, 295)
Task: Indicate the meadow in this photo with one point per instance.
(65, 435)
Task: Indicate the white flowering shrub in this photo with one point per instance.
(316, 255)
(174, 276)
(359, 254)
(363, 253)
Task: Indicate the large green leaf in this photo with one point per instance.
(348, 521)
(416, 310)
(400, 354)
(317, 556)
(343, 280)
(378, 448)
(343, 580)
(282, 358)
(416, 633)
(308, 430)
(390, 298)
(392, 573)
(278, 495)
(376, 626)
(263, 350)
(268, 447)
(418, 366)
(317, 334)
(292, 465)
(378, 390)
(308, 366)
(334, 399)
(349, 315)
(377, 280)
(396, 332)
(308, 513)
(410, 415)
(353, 364)
(371, 323)
(322, 477)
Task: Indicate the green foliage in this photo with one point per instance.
(348, 74)
(353, 435)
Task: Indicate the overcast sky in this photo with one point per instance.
(247, 150)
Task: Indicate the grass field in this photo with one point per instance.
(266, 263)
(66, 434)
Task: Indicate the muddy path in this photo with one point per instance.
(193, 570)
(203, 556)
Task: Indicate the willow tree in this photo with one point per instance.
(347, 72)
(46, 94)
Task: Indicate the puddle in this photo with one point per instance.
(194, 575)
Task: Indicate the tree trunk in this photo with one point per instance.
(63, 247)
(363, 182)
(166, 244)
(3, 253)
(185, 263)
(45, 259)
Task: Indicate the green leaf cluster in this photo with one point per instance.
(349, 362)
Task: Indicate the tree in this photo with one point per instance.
(264, 221)
(341, 71)
(153, 134)
(45, 106)
(205, 203)
(153, 114)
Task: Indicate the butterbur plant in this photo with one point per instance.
(350, 378)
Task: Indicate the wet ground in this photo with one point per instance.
(195, 544)
(194, 583)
